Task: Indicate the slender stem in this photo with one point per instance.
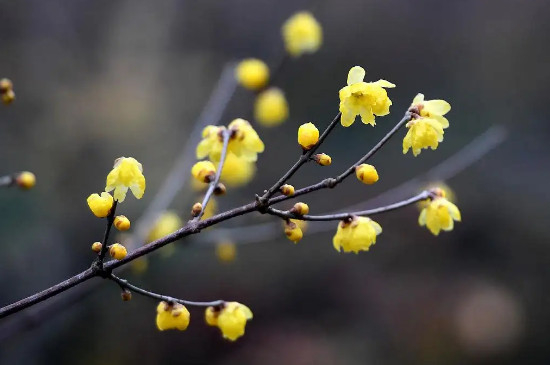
(110, 220)
(226, 136)
(125, 284)
(363, 213)
(305, 157)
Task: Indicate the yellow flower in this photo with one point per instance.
(308, 135)
(231, 319)
(434, 109)
(127, 173)
(172, 316)
(122, 223)
(203, 171)
(252, 73)
(366, 173)
(100, 205)
(271, 107)
(422, 133)
(25, 180)
(168, 222)
(302, 34)
(244, 142)
(293, 231)
(441, 189)
(226, 251)
(357, 235)
(237, 171)
(440, 214)
(366, 99)
(117, 251)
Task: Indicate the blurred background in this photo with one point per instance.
(103, 79)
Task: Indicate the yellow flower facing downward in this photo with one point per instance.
(422, 133)
(168, 222)
(271, 107)
(302, 34)
(252, 73)
(230, 319)
(100, 205)
(244, 142)
(357, 235)
(127, 173)
(435, 109)
(172, 316)
(203, 171)
(366, 99)
(293, 231)
(440, 214)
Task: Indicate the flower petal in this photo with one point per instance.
(356, 74)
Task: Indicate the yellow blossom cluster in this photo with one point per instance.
(230, 318)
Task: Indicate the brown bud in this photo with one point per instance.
(220, 189)
(5, 85)
(196, 210)
(287, 190)
(96, 246)
(126, 295)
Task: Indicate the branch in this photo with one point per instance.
(110, 220)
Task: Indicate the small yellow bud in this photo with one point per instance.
(25, 180)
(117, 251)
(271, 107)
(300, 208)
(126, 295)
(322, 159)
(172, 316)
(196, 210)
(204, 171)
(96, 246)
(293, 232)
(366, 173)
(308, 135)
(100, 205)
(5, 85)
(302, 34)
(287, 190)
(211, 316)
(122, 223)
(226, 251)
(252, 73)
(220, 189)
(8, 97)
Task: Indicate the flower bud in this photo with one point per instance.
(271, 107)
(25, 180)
(5, 85)
(125, 295)
(226, 251)
(196, 210)
(302, 33)
(96, 247)
(287, 190)
(293, 232)
(117, 251)
(300, 208)
(8, 97)
(220, 189)
(252, 73)
(366, 174)
(100, 205)
(121, 223)
(204, 171)
(308, 135)
(322, 159)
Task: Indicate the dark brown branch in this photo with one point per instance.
(110, 219)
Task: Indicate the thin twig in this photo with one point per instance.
(226, 135)
(125, 284)
(110, 219)
(362, 213)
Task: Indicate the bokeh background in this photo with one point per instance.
(103, 79)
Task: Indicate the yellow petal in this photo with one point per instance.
(356, 74)
(384, 83)
(422, 217)
(418, 99)
(440, 107)
(347, 118)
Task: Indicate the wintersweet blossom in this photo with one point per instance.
(435, 109)
(356, 235)
(127, 173)
(302, 34)
(172, 316)
(366, 99)
(440, 214)
(231, 319)
(252, 73)
(422, 133)
(100, 205)
(271, 107)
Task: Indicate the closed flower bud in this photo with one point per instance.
(126, 295)
(300, 208)
(5, 85)
(196, 210)
(293, 232)
(117, 251)
(122, 223)
(302, 34)
(366, 174)
(287, 190)
(271, 107)
(25, 180)
(220, 189)
(8, 97)
(322, 159)
(96, 246)
(211, 316)
(204, 171)
(308, 135)
(100, 205)
(252, 73)
(172, 316)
